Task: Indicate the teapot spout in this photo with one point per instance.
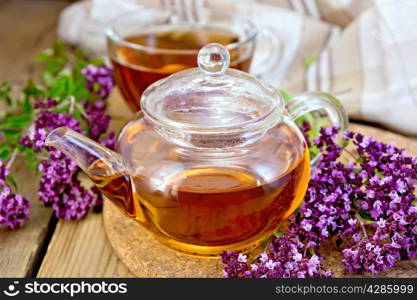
(104, 166)
(85, 152)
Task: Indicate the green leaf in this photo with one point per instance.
(16, 122)
(21, 148)
(77, 116)
(5, 153)
(59, 47)
(27, 106)
(61, 87)
(345, 143)
(18, 118)
(96, 86)
(314, 151)
(308, 60)
(365, 215)
(280, 233)
(30, 155)
(55, 65)
(33, 165)
(80, 91)
(80, 55)
(265, 242)
(287, 96)
(10, 132)
(55, 58)
(80, 108)
(368, 222)
(5, 90)
(11, 181)
(63, 106)
(96, 61)
(31, 91)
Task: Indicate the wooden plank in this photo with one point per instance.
(80, 249)
(19, 248)
(26, 27)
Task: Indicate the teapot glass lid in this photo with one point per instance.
(212, 97)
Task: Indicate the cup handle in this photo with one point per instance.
(311, 101)
(271, 55)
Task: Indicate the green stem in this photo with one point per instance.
(362, 225)
(72, 103)
(351, 154)
(12, 158)
(81, 111)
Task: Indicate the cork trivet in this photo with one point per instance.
(146, 257)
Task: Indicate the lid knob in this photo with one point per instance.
(213, 59)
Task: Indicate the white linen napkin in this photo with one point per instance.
(363, 51)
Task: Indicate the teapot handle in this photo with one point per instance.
(311, 101)
(272, 47)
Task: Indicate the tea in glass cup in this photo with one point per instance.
(150, 44)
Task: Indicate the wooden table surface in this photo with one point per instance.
(45, 246)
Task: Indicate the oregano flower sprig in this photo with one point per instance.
(366, 207)
(72, 93)
(14, 208)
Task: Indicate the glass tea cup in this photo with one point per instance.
(150, 44)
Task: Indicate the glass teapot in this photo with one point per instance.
(213, 162)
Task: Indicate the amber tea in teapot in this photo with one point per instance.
(212, 205)
(213, 162)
